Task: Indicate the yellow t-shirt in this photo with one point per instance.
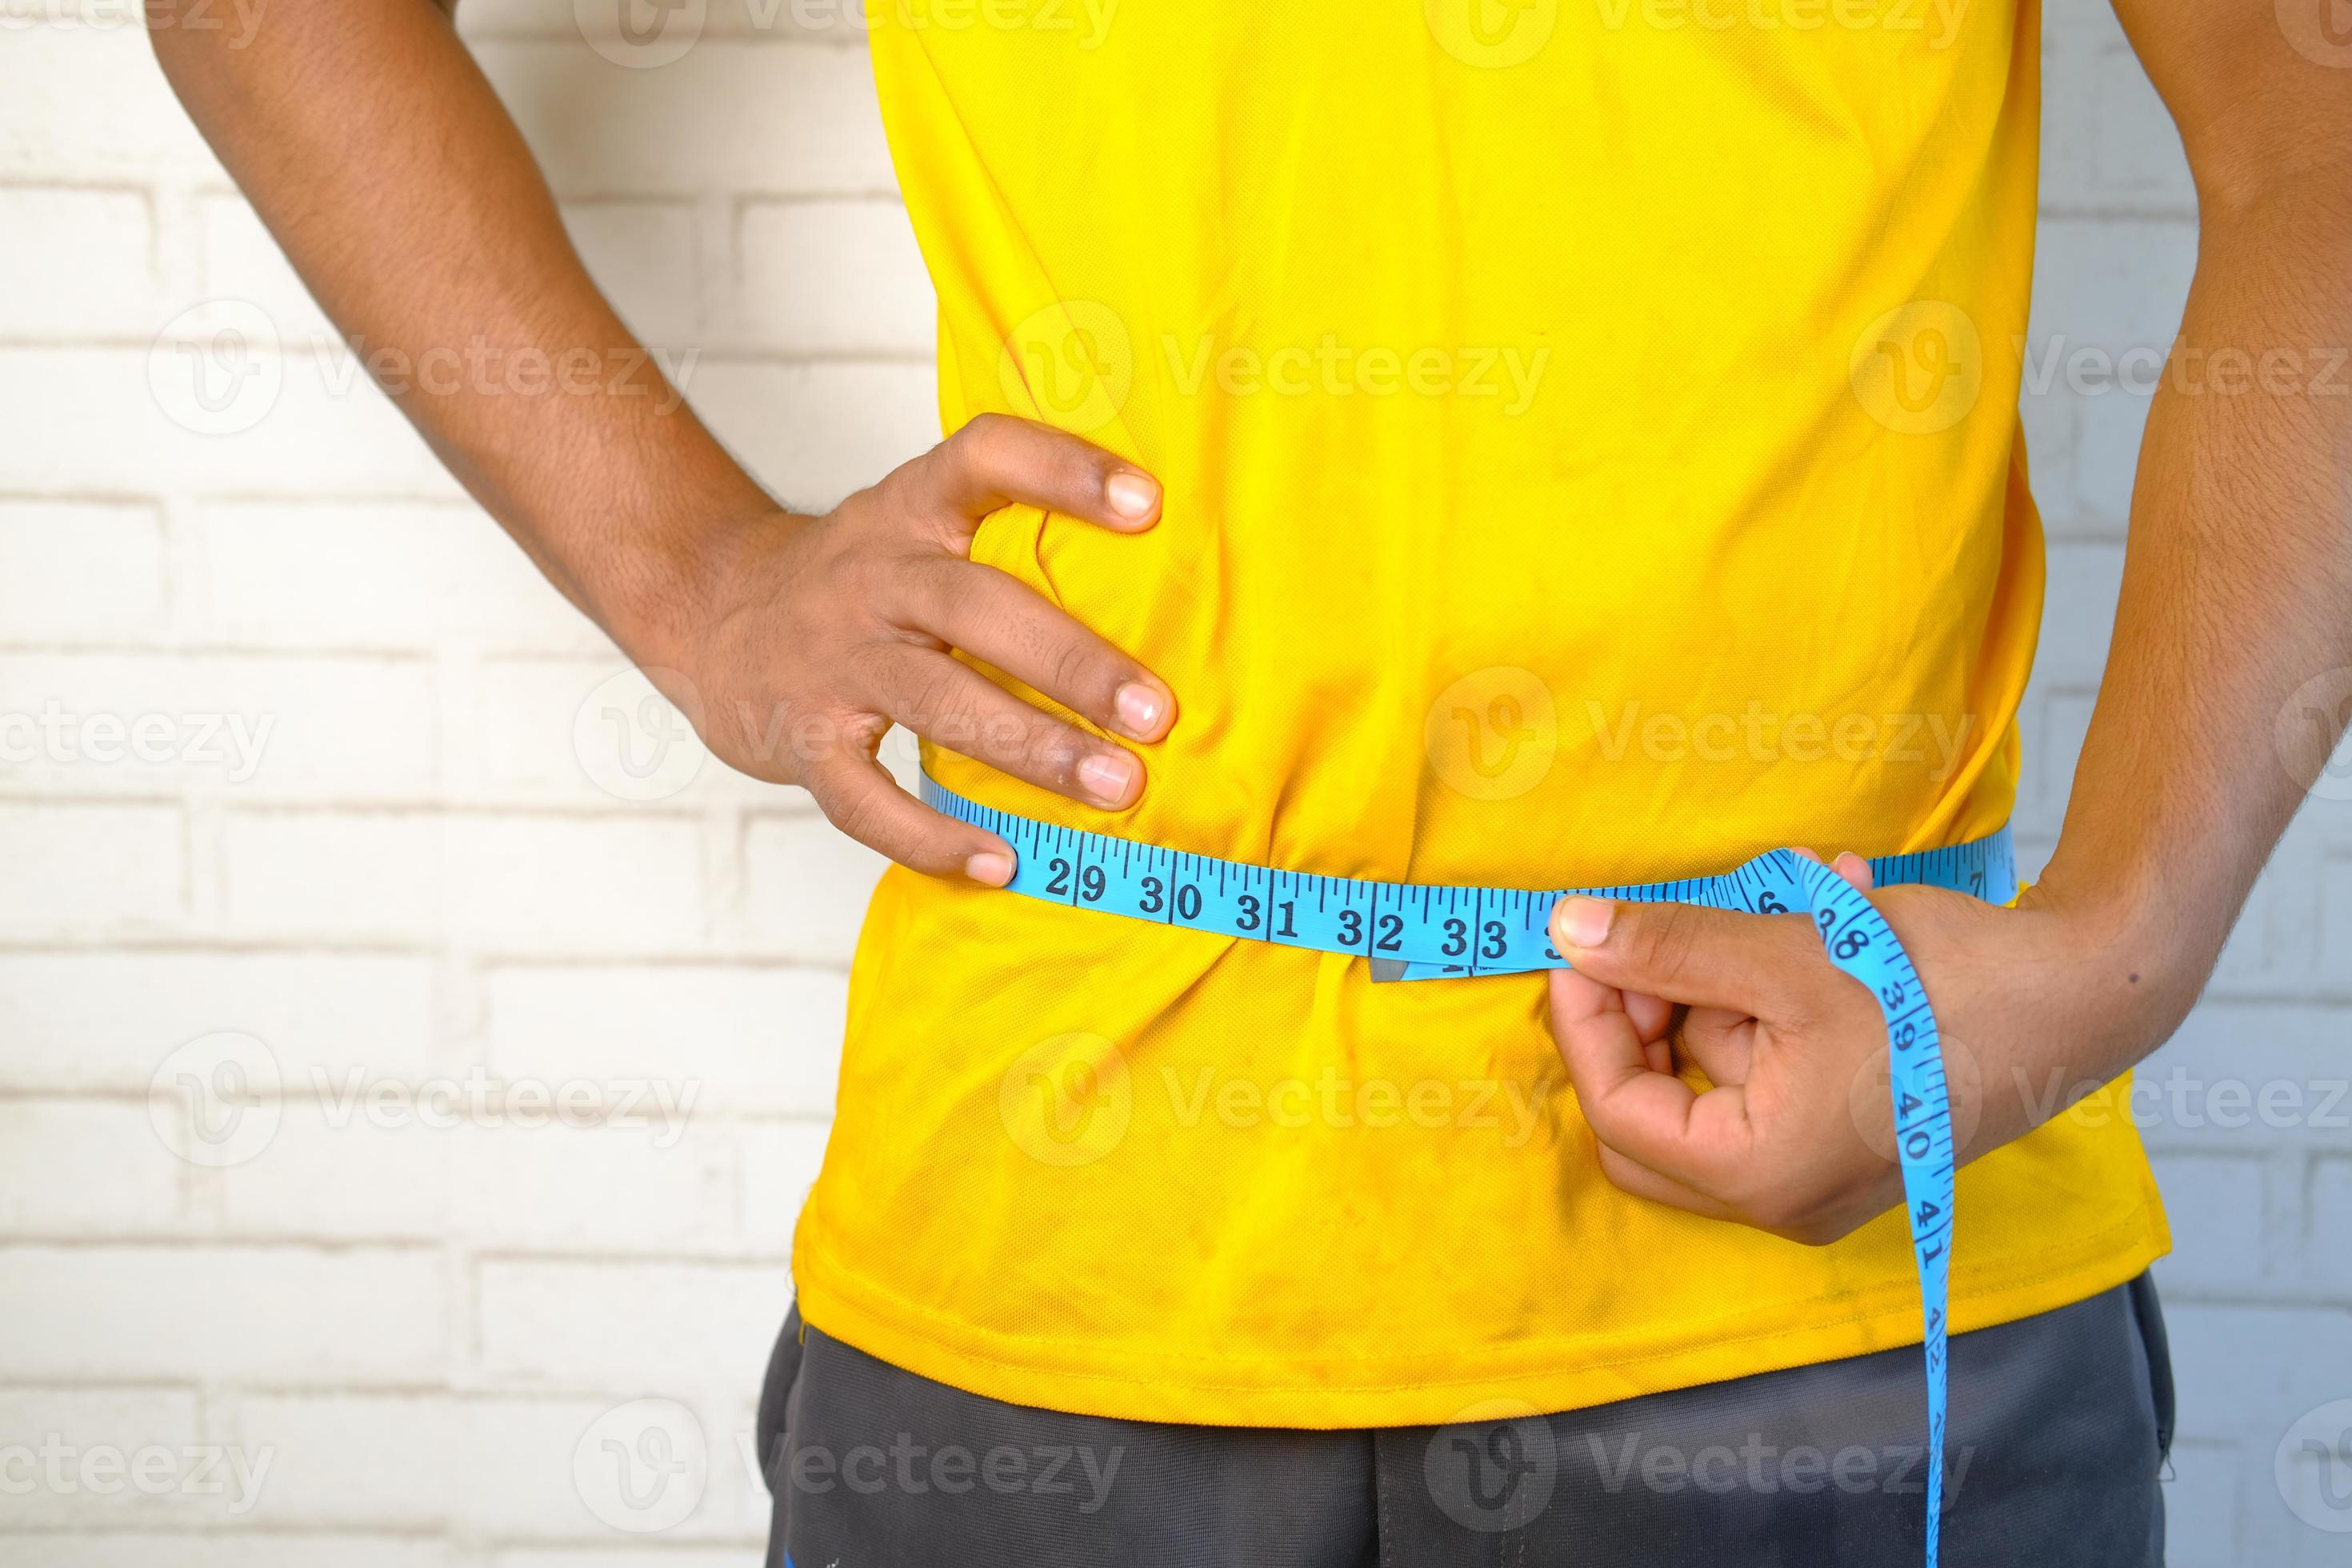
(1590, 443)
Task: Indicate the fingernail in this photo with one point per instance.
(990, 868)
(1139, 709)
(1581, 921)
(1132, 495)
(1107, 775)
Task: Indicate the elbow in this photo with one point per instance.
(171, 37)
(198, 40)
(2305, 187)
(2282, 154)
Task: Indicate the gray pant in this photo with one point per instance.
(2059, 1425)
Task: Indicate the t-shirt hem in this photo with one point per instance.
(1545, 1375)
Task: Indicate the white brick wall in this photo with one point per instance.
(2256, 1291)
(415, 895)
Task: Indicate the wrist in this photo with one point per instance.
(2127, 952)
(670, 577)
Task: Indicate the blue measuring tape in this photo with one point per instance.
(1414, 931)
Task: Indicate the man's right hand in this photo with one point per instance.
(810, 636)
(794, 643)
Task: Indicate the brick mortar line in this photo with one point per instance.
(426, 654)
(749, 355)
(781, 37)
(313, 805)
(423, 655)
(470, 1549)
(198, 186)
(2101, 213)
(188, 944)
(748, 1258)
(422, 1249)
(582, 955)
(127, 1096)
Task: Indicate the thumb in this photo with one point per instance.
(1752, 964)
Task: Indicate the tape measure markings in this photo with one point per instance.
(1429, 939)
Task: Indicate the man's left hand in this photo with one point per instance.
(1791, 1128)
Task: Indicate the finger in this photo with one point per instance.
(1631, 1175)
(1652, 1117)
(998, 460)
(858, 795)
(954, 706)
(1004, 621)
(1849, 864)
(1722, 1043)
(1653, 1018)
(1709, 958)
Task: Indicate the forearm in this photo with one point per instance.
(2237, 592)
(375, 150)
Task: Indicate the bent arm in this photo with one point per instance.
(377, 154)
(2231, 661)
